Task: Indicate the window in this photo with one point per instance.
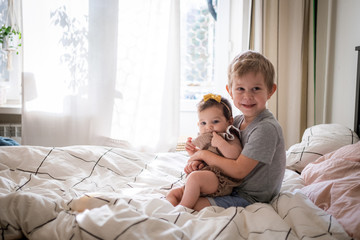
(197, 50)
(10, 60)
(205, 49)
(4, 74)
(205, 56)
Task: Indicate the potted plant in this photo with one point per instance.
(10, 38)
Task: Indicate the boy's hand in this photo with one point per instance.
(217, 140)
(190, 147)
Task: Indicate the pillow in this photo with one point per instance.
(317, 141)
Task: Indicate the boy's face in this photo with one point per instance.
(250, 94)
(212, 119)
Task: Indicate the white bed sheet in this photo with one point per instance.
(95, 192)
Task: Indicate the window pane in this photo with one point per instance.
(4, 73)
(197, 50)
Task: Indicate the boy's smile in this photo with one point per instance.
(250, 94)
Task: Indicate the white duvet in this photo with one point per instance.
(91, 192)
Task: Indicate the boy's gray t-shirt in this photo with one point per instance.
(263, 141)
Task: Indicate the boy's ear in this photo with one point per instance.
(228, 90)
(272, 90)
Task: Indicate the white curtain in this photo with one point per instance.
(101, 72)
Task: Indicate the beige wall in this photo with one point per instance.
(338, 34)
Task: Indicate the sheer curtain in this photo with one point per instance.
(101, 72)
(283, 31)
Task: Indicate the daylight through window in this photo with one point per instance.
(197, 51)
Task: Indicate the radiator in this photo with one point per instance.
(12, 131)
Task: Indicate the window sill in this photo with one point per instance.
(11, 107)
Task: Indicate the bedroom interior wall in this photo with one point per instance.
(336, 61)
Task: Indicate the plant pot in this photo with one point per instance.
(12, 42)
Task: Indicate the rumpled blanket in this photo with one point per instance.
(333, 184)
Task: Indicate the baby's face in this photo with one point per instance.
(212, 119)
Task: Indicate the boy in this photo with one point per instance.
(261, 165)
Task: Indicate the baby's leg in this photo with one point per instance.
(174, 195)
(198, 182)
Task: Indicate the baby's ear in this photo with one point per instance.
(231, 120)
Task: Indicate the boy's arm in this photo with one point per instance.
(261, 144)
(239, 168)
(229, 149)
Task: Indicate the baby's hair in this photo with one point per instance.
(224, 104)
(251, 61)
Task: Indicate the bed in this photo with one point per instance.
(102, 192)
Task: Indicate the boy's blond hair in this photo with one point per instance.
(251, 61)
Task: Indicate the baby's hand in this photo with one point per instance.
(193, 166)
(190, 147)
(217, 140)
